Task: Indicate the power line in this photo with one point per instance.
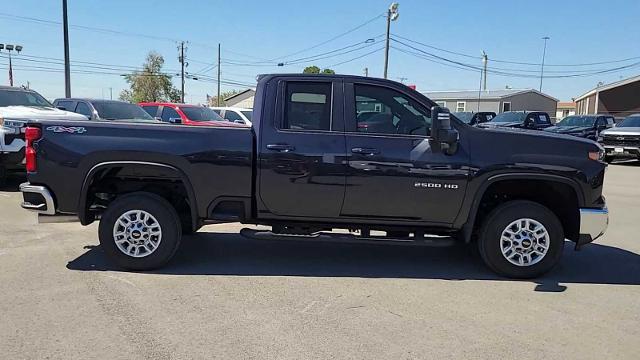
(357, 57)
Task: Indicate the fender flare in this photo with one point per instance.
(82, 208)
(468, 226)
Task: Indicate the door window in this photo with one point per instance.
(169, 113)
(232, 116)
(506, 106)
(67, 105)
(83, 109)
(308, 106)
(151, 110)
(542, 119)
(385, 111)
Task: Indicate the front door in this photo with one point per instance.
(301, 153)
(393, 173)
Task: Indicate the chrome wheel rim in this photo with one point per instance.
(137, 233)
(524, 242)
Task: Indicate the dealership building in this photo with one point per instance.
(620, 99)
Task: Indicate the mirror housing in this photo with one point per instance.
(175, 120)
(61, 108)
(239, 121)
(529, 123)
(445, 137)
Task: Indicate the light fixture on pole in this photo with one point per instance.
(544, 52)
(9, 49)
(392, 15)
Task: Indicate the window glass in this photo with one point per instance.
(460, 106)
(169, 113)
(542, 119)
(610, 121)
(22, 98)
(67, 105)
(385, 111)
(506, 106)
(247, 114)
(308, 106)
(232, 116)
(83, 109)
(152, 110)
(119, 110)
(200, 113)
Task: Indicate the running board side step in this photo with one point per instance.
(434, 241)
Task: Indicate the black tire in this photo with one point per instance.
(489, 241)
(161, 210)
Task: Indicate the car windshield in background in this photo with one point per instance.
(247, 114)
(509, 117)
(577, 121)
(120, 111)
(464, 116)
(200, 113)
(631, 121)
(22, 98)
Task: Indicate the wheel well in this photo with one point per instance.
(107, 184)
(558, 197)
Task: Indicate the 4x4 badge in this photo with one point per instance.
(67, 129)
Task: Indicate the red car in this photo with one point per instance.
(185, 114)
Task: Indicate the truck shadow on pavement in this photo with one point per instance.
(231, 254)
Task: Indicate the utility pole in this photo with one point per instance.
(67, 65)
(392, 15)
(544, 52)
(110, 93)
(485, 60)
(9, 49)
(182, 70)
(218, 98)
(366, 72)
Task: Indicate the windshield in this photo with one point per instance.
(120, 111)
(509, 117)
(22, 98)
(631, 121)
(577, 121)
(247, 114)
(200, 113)
(464, 116)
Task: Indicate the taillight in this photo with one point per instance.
(31, 134)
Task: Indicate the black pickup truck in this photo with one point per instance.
(414, 176)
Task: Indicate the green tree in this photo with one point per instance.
(150, 84)
(316, 70)
(311, 70)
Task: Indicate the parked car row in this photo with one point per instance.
(19, 105)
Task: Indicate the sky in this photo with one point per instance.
(435, 45)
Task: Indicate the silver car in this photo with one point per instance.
(623, 140)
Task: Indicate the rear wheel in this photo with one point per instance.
(140, 231)
(521, 239)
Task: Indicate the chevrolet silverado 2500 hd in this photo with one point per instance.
(414, 173)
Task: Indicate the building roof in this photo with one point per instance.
(484, 95)
(609, 86)
(240, 93)
(566, 105)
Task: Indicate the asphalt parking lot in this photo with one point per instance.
(226, 297)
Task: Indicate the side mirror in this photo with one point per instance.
(61, 108)
(157, 118)
(175, 120)
(239, 121)
(445, 137)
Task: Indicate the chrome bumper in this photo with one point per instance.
(42, 201)
(593, 224)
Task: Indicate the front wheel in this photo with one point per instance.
(140, 231)
(521, 239)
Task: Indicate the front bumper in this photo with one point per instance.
(622, 151)
(593, 224)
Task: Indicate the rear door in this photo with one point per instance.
(301, 150)
(393, 173)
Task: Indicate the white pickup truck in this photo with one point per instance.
(17, 106)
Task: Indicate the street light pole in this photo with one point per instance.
(485, 60)
(392, 15)
(182, 71)
(67, 66)
(544, 52)
(218, 102)
(9, 49)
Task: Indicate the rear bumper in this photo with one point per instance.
(593, 224)
(37, 199)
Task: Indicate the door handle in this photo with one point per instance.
(281, 147)
(365, 151)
